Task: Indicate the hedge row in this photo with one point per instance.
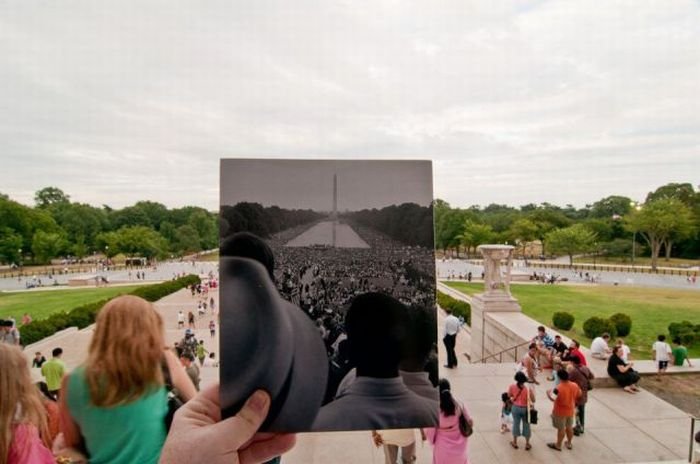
(617, 325)
(84, 315)
(458, 307)
(688, 332)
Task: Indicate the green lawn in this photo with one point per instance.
(41, 304)
(651, 309)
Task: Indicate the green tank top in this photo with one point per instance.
(126, 434)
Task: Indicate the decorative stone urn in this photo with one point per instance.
(494, 282)
(493, 305)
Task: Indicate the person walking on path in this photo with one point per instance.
(662, 354)
(521, 396)
(582, 377)
(452, 326)
(180, 320)
(190, 320)
(680, 353)
(53, 371)
(201, 352)
(564, 397)
(449, 445)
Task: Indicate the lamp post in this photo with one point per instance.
(636, 207)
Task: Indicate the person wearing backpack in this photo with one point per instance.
(582, 377)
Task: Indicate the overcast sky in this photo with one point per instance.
(308, 184)
(516, 102)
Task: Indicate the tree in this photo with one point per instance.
(10, 244)
(546, 218)
(187, 240)
(475, 234)
(612, 206)
(140, 241)
(449, 225)
(50, 196)
(660, 222)
(523, 231)
(47, 245)
(683, 192)
(571, 240)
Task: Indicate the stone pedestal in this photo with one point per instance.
(487, 337)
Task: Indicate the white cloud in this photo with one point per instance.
(518, 102)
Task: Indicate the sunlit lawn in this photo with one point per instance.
(651, 309)
(42, 303)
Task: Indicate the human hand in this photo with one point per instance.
(199, 435)
(377, 439)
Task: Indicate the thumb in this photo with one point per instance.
(239, 429)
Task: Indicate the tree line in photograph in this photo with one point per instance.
(666, 224)
(406, 223)
(56, 227)
(263, 221)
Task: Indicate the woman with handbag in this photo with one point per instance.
(522, 398)
(113, 407)
(449, 439)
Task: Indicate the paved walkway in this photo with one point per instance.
(456, 267)
(620, 427)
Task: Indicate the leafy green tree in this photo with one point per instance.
(684, 192)
(47, 245)
(475, 234)
(661, 222)
(10, 244)
(571, 240)
(207, 231)
(108, 243)
(187, 240)
(523, 231)
(612, 206)
(50, 196)
(448, 226)
(140, 241)
(546, 218)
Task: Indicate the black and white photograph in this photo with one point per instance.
(328, 292)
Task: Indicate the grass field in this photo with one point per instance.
(651, 309)
(41, 304)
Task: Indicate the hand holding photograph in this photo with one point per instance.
(328, 292)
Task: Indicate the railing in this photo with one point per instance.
(500, 353)
(693, 419)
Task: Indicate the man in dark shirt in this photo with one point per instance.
(559, 346)
(38, 360)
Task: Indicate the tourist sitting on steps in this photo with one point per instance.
(622, 372)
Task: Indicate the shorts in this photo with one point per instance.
(663, 365)
(561, 422)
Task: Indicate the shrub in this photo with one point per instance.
(623, 323)
(686, 331)
(83, 316)
(596, 326)
(458, 307)
(563, 320)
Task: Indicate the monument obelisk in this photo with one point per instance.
(335, 204)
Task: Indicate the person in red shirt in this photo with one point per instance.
(575, 350)
(564, 398)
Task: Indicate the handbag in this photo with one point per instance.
(532, 414)
(465, 428)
